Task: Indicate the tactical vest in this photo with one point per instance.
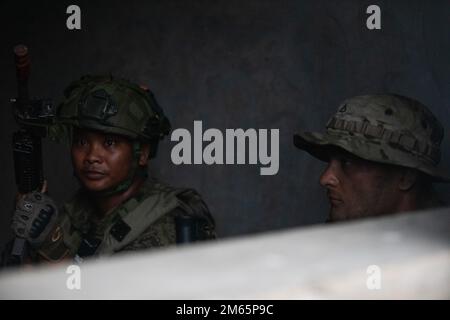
(122, 226)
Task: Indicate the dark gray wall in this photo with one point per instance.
(232, 64)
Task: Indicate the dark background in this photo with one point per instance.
(231, 64)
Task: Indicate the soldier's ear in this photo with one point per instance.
(408, 179)
(145, 152)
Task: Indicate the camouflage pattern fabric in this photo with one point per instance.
(78, 221)
(160, 234)
(113, 105)
(385, 128)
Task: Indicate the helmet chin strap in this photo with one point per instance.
(136, 171)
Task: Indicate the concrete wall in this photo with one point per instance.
(399, 257)
(231, 64)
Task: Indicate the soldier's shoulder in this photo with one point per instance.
(189, 201)
(161, 233)
(189, 208)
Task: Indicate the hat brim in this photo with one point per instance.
(318, 144)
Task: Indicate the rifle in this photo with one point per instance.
(34, 118)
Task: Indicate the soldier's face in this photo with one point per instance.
(101, 161)
(359, 188)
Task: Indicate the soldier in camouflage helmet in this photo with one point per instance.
(383, 153)
(114, 127)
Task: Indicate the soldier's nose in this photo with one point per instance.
(328, 177)
(92, 155)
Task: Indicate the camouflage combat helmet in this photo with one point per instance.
(384, 128)
(114, 106)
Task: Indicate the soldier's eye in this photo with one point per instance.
(346, 163)
(80, 141)
(109, 142)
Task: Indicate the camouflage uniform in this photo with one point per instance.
(158, 215)
(150, 219)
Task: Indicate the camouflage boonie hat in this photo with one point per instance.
(384, 128)
(114, 106)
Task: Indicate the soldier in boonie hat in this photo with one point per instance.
(383, 153)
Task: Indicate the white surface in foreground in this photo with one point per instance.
(321, 262)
